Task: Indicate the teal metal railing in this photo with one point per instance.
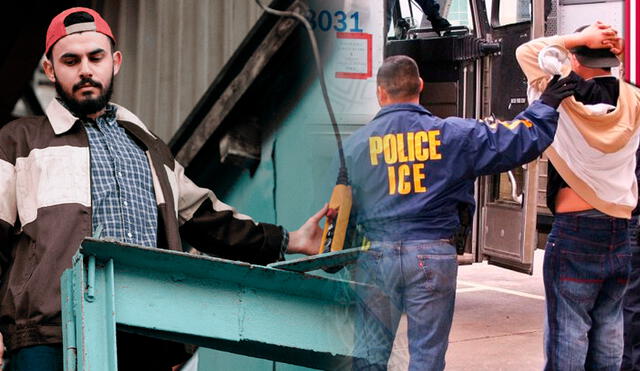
(277, 312)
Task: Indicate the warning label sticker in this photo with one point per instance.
(354, 55)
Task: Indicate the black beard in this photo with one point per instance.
(85, 107)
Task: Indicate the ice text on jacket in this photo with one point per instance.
(405, 155)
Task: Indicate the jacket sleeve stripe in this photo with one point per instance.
(191, 198)
(157, 188)
(52, 176)
(8, 208)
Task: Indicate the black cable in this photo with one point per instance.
(343, 177)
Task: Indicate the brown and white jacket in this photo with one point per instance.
(45, 212)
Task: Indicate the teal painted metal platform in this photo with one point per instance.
(276, 312)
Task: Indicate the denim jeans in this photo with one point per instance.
(631, 306)
(586, 269)
(416, 277)
(38, 357)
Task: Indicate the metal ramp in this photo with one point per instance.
(266, 312)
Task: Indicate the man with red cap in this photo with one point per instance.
(92, 168)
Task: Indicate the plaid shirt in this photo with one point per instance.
(122, 196)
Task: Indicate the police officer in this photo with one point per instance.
(411, 171)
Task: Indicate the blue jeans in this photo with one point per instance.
(586, 269)
(416, 277)
(38, 357)
(631, 306)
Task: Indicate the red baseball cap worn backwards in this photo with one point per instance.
(75, 20)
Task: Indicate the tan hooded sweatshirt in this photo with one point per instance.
(595, 145)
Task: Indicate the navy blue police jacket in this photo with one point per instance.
(410, 169)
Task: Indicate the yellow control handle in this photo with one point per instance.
(337, 221)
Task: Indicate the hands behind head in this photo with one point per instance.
(601, 35)
(616, 46)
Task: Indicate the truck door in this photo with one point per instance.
(506, 233)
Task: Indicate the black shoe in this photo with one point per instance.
(439, 24)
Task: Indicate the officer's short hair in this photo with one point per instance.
(399, 76)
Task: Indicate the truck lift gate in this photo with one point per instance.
(274, 312)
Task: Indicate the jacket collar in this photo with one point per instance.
(402, 107)
(62, 120)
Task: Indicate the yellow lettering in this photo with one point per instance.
(392, 180)
(418, 175)
(433, 145)
(420, 138)
(404, 186)
(411, 146)
(390, 149)
(375, 148)
(402, 157)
